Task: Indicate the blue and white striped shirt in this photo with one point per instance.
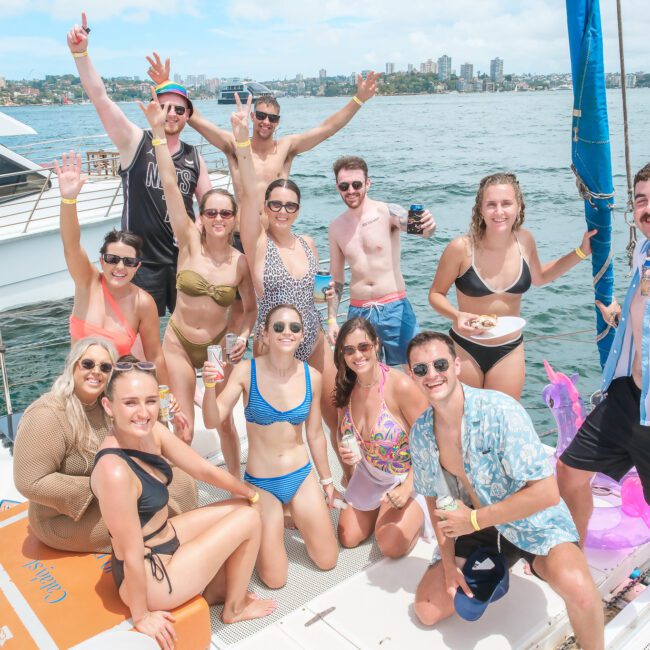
(621, 356)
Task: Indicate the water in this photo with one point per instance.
(426, 149)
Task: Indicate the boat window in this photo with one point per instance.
(17, 180)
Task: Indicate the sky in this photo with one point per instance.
(277, 39)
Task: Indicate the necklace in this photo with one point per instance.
(279, 372)
(90, 404)
(370, 385)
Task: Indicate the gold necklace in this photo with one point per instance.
(367, 386)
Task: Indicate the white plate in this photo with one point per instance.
(505, 325)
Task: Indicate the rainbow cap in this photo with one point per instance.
(177, 89)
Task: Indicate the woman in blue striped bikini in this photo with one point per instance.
(278, 462)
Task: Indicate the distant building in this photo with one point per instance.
(178, 79)
(496, 70)
(489, 86)
(444, 67)
(300, 77)
(390, 68)
(630, 80)
(322, 73)
(467, 71)
(3, 83)
(428, 67)
(410, 68)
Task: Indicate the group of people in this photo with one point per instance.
(414, 402)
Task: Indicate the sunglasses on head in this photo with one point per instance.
(212, 213)
(289, 207)
(439, 365)
(89, 364)
(179, 110)
(125, 366)
(278, 327)
(364, 346)
(344, 186)
(272, 117)
(114, 260)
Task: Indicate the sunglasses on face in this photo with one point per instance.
(179, 110)
(439, 365)
(261, 116)
(278, 327)
(114, 260)
(289, 207)
(212, 213)
(364, 346)
(344, 186)
(125, 366)
(89, 364)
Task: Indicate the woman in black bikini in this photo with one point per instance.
(492, 267)
(159, 562)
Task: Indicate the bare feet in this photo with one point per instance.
(254, 607)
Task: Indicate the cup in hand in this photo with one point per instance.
(322, 281)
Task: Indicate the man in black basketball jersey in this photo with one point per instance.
(145, 212)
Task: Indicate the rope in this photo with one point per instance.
(586, 193)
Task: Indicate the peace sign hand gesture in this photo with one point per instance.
(78, 36)
(71, 180)
(158, 71)
(239, 119)
(155, 112)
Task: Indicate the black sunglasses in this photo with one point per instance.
(212, 213)
(125, 366)
(89, 364)
(344, 185)
(289, 207)
(364, 346)
(272, 117)
(114, 260)
(439, 365)
(278, 327)
(179, 110)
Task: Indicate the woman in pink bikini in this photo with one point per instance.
(377, 406)
(106, 304)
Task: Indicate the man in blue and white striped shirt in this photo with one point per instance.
(616, 434)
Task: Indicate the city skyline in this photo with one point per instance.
(250, 38)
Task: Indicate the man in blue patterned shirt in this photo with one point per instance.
(479, 446)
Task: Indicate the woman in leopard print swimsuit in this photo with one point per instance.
(282, 264)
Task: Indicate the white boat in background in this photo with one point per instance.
(32, 267)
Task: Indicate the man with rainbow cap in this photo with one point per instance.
(145, 211)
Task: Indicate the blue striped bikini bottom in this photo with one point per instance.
(284, 487)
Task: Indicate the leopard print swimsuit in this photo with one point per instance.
(281, 287)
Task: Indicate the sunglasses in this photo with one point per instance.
(364, 346)
(439, 365)
(289, 207)
(125, 366)
(344, 185)
(89, 364)
(272, 117)
(278, 327)
(179, 110)
(114, 260)
(212, 213)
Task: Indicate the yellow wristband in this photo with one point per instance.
(156, 142)
(332, 321)
(80, 55)
(357, 100)
(580, 254)
(243, 145)
(254, 499)
(68, 201)
(472, 518)
(208, 384)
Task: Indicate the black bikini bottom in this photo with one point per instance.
(486, 356)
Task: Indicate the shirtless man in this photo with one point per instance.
(367, 236)
(144, 211)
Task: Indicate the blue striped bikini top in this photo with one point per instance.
(259, 411)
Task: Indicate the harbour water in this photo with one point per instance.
(430, 149)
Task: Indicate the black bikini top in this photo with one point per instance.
(474, 286)
(155, 494)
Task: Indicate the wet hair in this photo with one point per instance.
(109, 391)
(642, 175)
(273, 310)
(267, 100)
(427, 336)
(345, 376)
(221, 192)
(122, 237)
(282, 182)
(350, 162)
(477, 224)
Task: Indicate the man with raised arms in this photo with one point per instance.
(145, 212)
(367, 237)
(480, 448)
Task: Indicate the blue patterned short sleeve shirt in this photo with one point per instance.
(501, 453)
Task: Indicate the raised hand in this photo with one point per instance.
(158, 72)
(71, 180)
(239, 119)
(155, 112)
(367, 88)
(78, 36)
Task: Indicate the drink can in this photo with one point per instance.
(350, 442)
(322, 281)
(645, 278)
(215, 357)
(231, 341)
(413, 219)
(164, 402)
(446, 503)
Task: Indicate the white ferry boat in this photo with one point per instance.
(244, 89)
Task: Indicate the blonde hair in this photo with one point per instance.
(63, 390)
(477, 224)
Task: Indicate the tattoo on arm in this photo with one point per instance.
(338, 289)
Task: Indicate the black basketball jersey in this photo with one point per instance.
(145, 210)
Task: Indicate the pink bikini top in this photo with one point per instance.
(122, 341)
(388, 448)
